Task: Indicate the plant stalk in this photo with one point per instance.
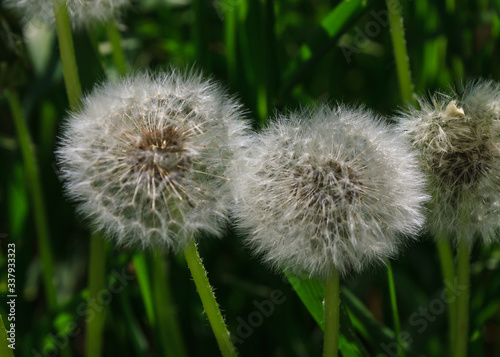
(394, 307)
(448, 270)
(400, 51)
(168, 329)
(35, 187)
(67, 51)
(207, 297)
(332, 310)
(97, 284)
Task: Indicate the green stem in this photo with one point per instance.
(463, 275)
(208, 300)
(448, 270)
(168, 325)
(400, 52)
(332, 309)
(67, 50)
(35, 187)
(394, 306)
(97, 283)
(117, 48)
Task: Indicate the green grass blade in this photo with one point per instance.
(311, 293)
(5, 350)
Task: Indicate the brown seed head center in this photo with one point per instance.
(332, 183)
(161, 152)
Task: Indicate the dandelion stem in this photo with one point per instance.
(332, 308)
(208, 300)
(166, 318)
(97, 283)
(463, 272)
(34, 183)
(116, 47)
(67, 50)
(400, 51)
(394, 307)
(448, 271)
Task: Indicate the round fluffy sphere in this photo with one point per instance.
(328, 188)
(146, 158)
(458, 138)
(82, 12)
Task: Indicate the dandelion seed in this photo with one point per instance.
(328, 188)
(457, 136)
(147, 156)
(82, 12)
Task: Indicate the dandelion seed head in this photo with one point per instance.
(146, 158)
(328, 188)
(457, 136)
(82, 12)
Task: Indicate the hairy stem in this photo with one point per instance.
(208, 300)
(400, 51)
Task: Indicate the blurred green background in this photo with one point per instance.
(275, 56)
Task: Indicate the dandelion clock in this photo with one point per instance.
(328, 189)
(146, 158)
(457, 136)
(325, 192)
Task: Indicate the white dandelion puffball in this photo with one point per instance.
(146, 158)
(82, 12)
(328, 188)
(458, 138)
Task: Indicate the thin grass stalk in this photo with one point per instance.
(167, 323)
(448, 270)
(400, 51)
(394, 309)
(116, 47)
(74, 91)
(142, 274)
(207, 297)
(97, 284)
(67, 51)
(35, 188)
